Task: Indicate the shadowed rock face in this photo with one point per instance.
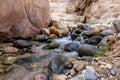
(23, 18)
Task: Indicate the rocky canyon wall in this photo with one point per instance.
(102, 11)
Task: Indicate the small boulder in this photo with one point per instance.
(107, 32)
(57, 63)
(89, 75)
(79, 66)
(87, 50)
(45, 31)
(51, 46)
(9, 60)
(10, 50)
(52, 36)
(54, 30)
(93, 40)
(71, 46)
(41, 38)
(21, 44)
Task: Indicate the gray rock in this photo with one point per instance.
(89, 75)
(71, 46)
(57, 63)
(87, 27)
(112, 72)
(42, 38)
(93, 40)
(116, 24)
(21, 44)
(107, 32)
(87, 50)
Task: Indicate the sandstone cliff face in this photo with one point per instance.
(102, 11)
(23, 18)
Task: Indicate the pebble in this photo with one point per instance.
(109, 66)
(112, 72)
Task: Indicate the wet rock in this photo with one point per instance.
(89, 75)
(57, 64)
(4, 69)
(71, 46)
(80, 39)
(59, 77)
(116, 24)
(87, 58)
(42, 38)
(93, 40)
(54, 30)
(87, 50)
(21, 44)
(40, 77)
(45, 31)
(79, 66)
(9, 60)
(51, 46)
(75, 33)
(107, 32)
(10, 50)
(52, 36)
(112, 72)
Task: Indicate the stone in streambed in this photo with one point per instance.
(87, 50)
(10, 50)
(93, 40)
(21, 44)
(71, 46)
(9, 60)
(51, 46)
(42, 38)
(57, 63)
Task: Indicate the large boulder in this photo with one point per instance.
(23, 18)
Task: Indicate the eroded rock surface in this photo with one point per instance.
(23, 18)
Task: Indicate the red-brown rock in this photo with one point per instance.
(23, 18)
